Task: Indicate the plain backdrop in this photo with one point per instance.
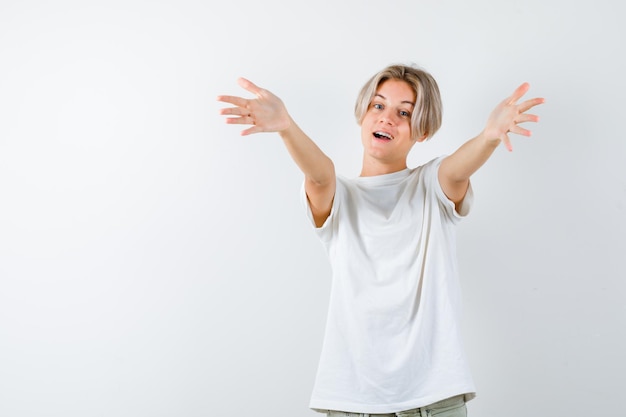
(153, 262)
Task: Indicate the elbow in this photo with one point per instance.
(323, 177)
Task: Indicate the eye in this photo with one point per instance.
(405, 113)
(377, 106)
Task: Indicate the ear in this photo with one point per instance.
(422, 138)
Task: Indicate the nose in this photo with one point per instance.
(387, 117)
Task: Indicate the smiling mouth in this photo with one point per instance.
(383, 135)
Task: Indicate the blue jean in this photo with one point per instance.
(451, 407)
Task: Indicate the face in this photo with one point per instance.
(386, 126)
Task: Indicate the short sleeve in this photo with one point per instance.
(446, 203)
(325, 231)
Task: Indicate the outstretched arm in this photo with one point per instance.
(456, 169)
(267, 113)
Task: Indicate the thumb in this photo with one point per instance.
(251, 130)
(507, 142)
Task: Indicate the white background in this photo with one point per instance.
(153, 262)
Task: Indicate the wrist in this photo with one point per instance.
(288, 127)
(490, 138)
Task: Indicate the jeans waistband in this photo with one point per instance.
(452, 402)
(448, 402)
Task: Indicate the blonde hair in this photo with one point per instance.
(427, 114)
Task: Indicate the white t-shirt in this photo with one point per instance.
(393, 331)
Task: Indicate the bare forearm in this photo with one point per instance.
(455, 171)
(469, 157)
(316, 166)
(504, 119)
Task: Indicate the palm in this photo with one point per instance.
(266, 112)
(504, 119)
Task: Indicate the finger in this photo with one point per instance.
(520, 131)
(237, 101)
(522, 118)
(250, 86)
(234, 111)
(235, 121)
(243, 120)
(529, 104)
(518, 93)
(507, 143)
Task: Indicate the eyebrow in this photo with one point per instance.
(403, 102)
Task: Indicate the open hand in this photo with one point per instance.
(504, 119)
(266, 112)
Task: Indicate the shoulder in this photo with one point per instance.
(428, 171)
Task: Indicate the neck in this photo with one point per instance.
(371, 168)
